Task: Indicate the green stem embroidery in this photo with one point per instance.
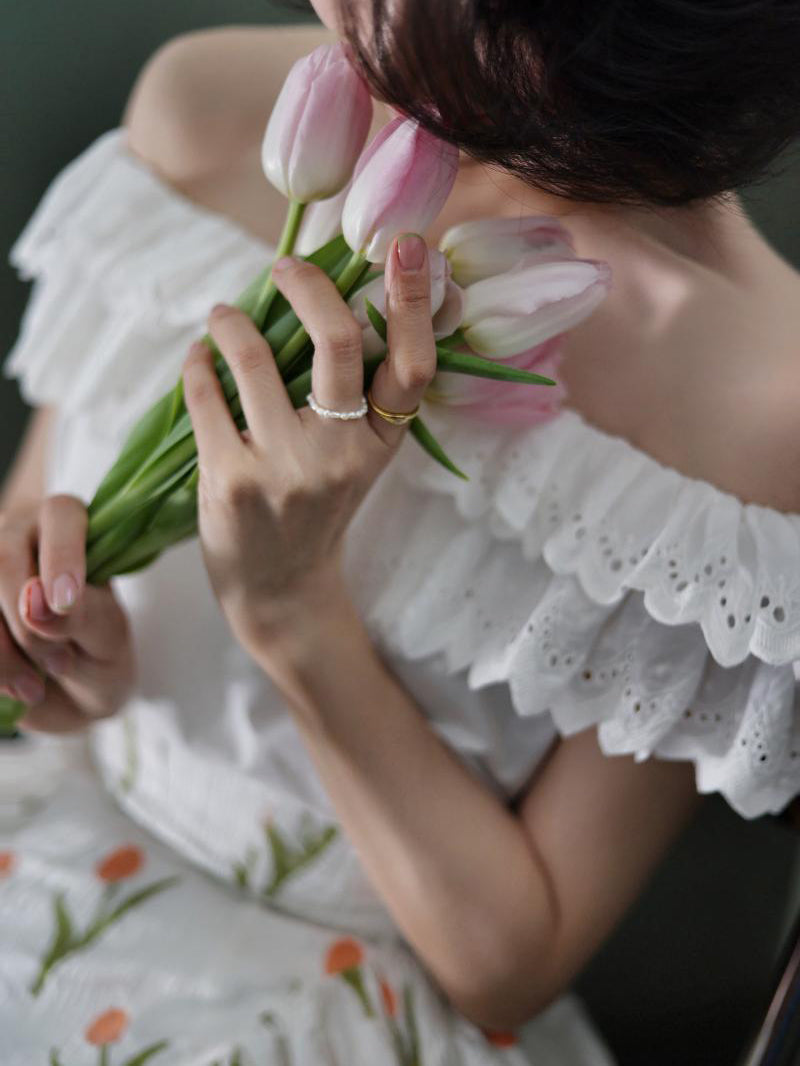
(352, 975)
(287, 860)
(66, 941)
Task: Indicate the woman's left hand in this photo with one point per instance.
(275, 501)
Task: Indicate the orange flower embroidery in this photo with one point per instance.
(344, 954)
(107, 1028)
(498, 1038)
(389, 998)
(7, 862)
(344, 957)
(122, 863)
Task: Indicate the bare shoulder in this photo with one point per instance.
(204, 96)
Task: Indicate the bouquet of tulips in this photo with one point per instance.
(501, 291)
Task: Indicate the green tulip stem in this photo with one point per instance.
(288, 238)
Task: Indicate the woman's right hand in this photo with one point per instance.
(84, 647)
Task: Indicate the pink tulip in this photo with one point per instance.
(400, 184)
(507, 403)
(518, 310)
(483, 247)
(318, 126)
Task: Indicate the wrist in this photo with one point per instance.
(313, 634)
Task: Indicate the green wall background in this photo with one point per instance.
(686, 974)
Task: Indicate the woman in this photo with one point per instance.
(367, 695)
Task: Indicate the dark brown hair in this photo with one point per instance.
(622, 101)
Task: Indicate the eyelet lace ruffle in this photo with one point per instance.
(573, 567)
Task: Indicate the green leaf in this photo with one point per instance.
(455, 340)
(418, 428)
(140, 442)
(377, 320)
(478, 366)
(147, 1054)
(11, 711)
(54, 1059)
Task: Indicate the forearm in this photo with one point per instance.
(454, 865)
(23, 483)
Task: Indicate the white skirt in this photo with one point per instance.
(116, 950)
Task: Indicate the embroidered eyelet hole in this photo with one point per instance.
(637, 707)
(553, 660)
(721, 583)
(580, 532)
(723, 559)
(723, 600)
(747, 617)
(616, 564)
(681, 586)
(731, 621)
(765, 601)
(708, 568)
(587, 674)
(779, 614)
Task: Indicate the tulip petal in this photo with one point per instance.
(520, 309)
(483, 247)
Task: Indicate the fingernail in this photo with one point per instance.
(283, 263)
(410, 251)
(29, 689)
(219, 309)
(37, 605)
(56, 661)
(65, 592)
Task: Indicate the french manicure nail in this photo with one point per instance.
(283, 263)
(65, 592)
(410, 251)
(30, 689)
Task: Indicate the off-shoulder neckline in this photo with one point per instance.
(590, 430)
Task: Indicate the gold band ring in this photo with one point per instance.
(397, 418)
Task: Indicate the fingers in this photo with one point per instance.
(58, 714)
(97, 624)
(18, 678)
(63, 522)
(19, 646)
(337, 370)
(410, 365)
(215, 432)
(265, 401)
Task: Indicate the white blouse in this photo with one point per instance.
(573, 581)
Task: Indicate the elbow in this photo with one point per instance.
(519, 980)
